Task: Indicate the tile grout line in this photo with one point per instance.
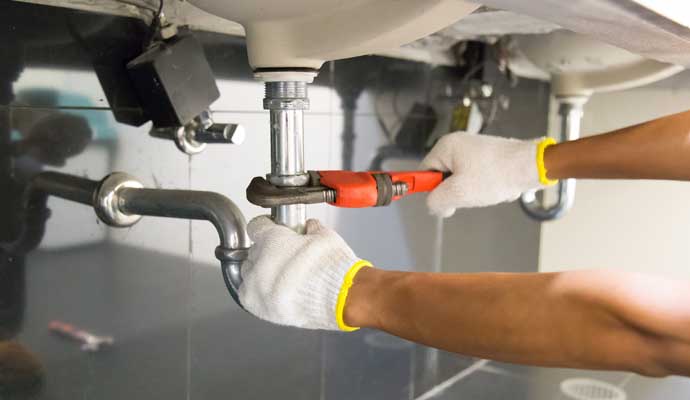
(190, 288)
(445, 385)
(492, 369)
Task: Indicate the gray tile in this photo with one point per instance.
(545, 383)
(642, 388)
(433, 366)
(366, 365)
(486, 386)
(234, 354)
(134, 295)
(557, 374)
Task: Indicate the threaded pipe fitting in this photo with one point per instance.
(286, 90)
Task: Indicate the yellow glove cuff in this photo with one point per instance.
(344, 290)
(541, 168)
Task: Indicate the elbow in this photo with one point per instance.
(228, 220)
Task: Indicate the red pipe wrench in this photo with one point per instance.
(346, 188)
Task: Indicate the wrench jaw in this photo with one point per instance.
(264, 194)
(345, 189)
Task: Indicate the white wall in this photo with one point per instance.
(632, 225)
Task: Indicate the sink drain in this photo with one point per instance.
(591, 389)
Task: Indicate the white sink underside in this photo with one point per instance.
(657, 29)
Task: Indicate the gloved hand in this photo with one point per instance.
(296, 279)
(486, 170)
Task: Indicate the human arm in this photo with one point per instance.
(583, 319)
(487, 170)
(658, 149)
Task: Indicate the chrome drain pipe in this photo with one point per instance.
(286, 102)
(570, 111)
(120, 200)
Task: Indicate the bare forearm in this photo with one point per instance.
(507, 317)
(563, 320)
(658, 149)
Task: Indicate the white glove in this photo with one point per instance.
(486, 170)
(296, 279)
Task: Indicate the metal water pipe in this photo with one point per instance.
(286, 102)
(570, 113)
(120, 200)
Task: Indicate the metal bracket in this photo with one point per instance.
(192, 137)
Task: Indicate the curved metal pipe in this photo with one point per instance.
(534, 208)
(570, 111)
(120, 200)
(199, 205)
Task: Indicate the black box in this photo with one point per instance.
(173, 81)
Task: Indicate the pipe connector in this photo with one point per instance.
(286, 95)
(106, 200)
(192, 137)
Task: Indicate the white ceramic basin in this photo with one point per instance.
(654, 29)
(305, 33)
(580, 66)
